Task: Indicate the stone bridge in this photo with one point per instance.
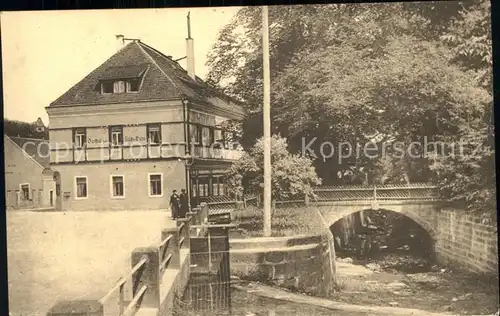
(419, 202)
(458, 237)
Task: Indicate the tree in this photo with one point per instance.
(393, 84)
(15, 128)
(236, 62)
(292, 175)
(333, 69)
(470, 39)
(384, 74)
(468, 177)
(408, 94)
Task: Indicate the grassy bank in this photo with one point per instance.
(289, 221)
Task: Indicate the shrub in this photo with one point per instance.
(292, 175)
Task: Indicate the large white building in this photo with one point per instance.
(136, 128)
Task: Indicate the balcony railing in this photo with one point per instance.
(138, 152)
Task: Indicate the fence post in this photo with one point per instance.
(77, 308)
(306, 199)
(184, 232)
(202, 218)
(193, 215)
(374, 202)
(193, 219)
(34, 198)
(148, 275)
(41, 201)
(8, 198)
(239, 206)
(18, 198)
(172, 247)
(203, 213)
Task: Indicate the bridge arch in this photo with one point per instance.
(422, 235)
(417, 213)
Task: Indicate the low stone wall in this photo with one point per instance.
(465, 243)
(175, 290)
(157, 280)
(288, 262)
(273, 242)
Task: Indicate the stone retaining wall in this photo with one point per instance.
(305, 267)
(465, 243)
(273, 242)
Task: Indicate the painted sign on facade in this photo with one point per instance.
(97, 137)
(134, 135)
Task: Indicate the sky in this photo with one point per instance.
(46, 53)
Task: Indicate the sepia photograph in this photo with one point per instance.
(321, 159)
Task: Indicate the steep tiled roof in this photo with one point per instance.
(124, 72)
(38, 149)
(164, 79)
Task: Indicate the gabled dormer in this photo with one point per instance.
(140, 73)
(122, 79)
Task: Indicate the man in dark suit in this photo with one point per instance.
(184, 204)
(175, 204)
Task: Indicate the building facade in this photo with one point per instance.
(136, 128)
(29, 182)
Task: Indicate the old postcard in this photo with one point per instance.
(284, 160)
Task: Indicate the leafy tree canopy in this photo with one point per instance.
(385, 73)
(292, 175)
(15, 128)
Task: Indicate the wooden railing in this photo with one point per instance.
(149, 264)
(217, 199)
(165, 257)
(120, 286)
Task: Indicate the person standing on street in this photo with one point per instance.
(184, 203)
(175, 204)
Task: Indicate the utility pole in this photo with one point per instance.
(267, 123)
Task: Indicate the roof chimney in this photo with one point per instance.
(190, 50)
(120, 41)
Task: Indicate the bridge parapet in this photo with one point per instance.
(417, 191)
(346, 194)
